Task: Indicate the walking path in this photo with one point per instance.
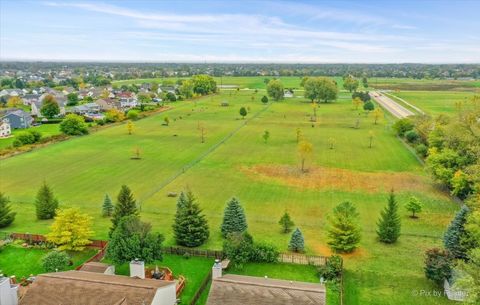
(393, 107)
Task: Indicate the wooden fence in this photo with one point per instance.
(201, 289)
(193, 252)
(38, 238)
(302, 259)
(96, 258)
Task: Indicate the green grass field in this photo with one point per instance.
(265, 177)
(436, 102)
(21, 262)
(45, 129)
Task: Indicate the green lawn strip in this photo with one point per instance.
(45, 129)
(436, 102)
(21, 262)
(194, 269)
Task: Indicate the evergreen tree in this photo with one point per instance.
(45, 203)
(190, 227)
(6, 214)
(297, 243)
(389, 224)
(234, 219)
(344, 233)
(107, 207)
(132, 239)
(455, 233)
(125, 206)
(286, 222)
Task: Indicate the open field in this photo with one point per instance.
(265, 177)
(45, 129)
(436, 102)
(21, 262)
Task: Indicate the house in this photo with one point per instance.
(86, 108)
(8, 292)
(98, 268)
(127, 103)
(11, 92)
(17, 119)
(288, 93)
(107, 104)
(37, 106)
(233, 289)
(28, 99)
(94, 288)
(5, 130)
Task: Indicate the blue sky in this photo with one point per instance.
(241, 31)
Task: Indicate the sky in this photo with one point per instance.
(241, 31)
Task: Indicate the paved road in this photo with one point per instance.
(393, 107)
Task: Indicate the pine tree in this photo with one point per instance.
(455, 233)
(45, 203)
(389, 223)
(190, 227)
(344, 233)
(6, 214)
(234, 219)
(125, 206)
(107, 207)
(297, 243)
(286, 222)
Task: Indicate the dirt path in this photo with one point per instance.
(393, 107)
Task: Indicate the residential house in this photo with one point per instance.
(5, 130)
(28, 99)
(127, 103)
(11, 92)
(17, 119)
(86, 108)
(233, 289)
(59, 97)
(94, 288)
(8, 291)
(287, 93)
(108, 104)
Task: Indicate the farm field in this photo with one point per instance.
(436, 102)
(264, 176)
(45, 129)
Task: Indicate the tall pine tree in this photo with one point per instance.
(343, 232)
(389, 224)
(297, 243)
(45, 203)
(6, 214)
(190, 227)
(455, 233)
(125, 206)
(234, 219)
(107, 207)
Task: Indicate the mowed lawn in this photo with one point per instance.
(437, 102)
(264, 176)
(45, 129)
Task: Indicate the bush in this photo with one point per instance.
(422, 150)
(364, 96)
(264, 253)
(402, 126)
(438, 265)
(73, 125)
(332, 270)
(55, 261)
(25, 137)
(412, 136)
(368, 106)
(132, 115)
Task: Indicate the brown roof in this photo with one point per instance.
(237, 289)
(89, 288)
(94, 267)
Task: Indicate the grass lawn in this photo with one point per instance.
(45, 129)
(436, 102)
(194, 269)
(21, 262)
(264, 176)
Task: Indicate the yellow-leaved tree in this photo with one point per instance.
(71, 230)
(305, 150)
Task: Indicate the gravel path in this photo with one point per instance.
(393, 107)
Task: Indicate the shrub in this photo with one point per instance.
(264, 253)
(438, 265)
(368, 106)
(402, 126)
(238, 247)
(36, 135)
(55, 261)
(25, 137)
(132, 115)
(74, 125)
(411, 136)
(422, 150)
(332, 270)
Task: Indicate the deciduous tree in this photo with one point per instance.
(73, 125)
(243, 112)
(71, 230)
(414, 206)
(275, 89)
(50, 107)
(305, 150)
(286, 222)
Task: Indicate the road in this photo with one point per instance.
(393, 107)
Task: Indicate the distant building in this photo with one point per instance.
(18, 119)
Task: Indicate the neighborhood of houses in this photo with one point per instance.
(96, 283)
(92, 103)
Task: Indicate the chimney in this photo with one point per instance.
(216, 269)
(137, 268)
